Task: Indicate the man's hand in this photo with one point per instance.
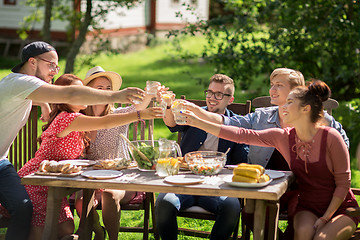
(45, 112)
(130, 94)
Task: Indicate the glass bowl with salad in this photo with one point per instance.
(205, 162)
(147, 148)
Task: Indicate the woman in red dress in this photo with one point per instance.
(63, 138)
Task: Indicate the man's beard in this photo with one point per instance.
(38, 75)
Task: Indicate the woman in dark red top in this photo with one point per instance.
(316, 154)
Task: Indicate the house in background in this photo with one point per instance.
(123, 27)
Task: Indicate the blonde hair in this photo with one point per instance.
(296, 78)
(221, 78)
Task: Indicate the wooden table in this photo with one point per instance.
(256, 198)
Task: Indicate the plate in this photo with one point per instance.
(102, 174)
(184, 179)
(146, 170)
(273, 174)
(230, 166)
(228, 180)
(80, 162)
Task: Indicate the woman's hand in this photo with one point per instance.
(319, 223)
(190, 106)
(150, 113)
(191, 118)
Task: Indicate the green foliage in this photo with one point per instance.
(348, 114)
(320, 38)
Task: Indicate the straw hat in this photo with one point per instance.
(100, 72)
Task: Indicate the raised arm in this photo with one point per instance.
(90, 123)
(79, 95)
(203, 114)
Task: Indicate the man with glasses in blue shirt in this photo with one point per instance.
(219, 95)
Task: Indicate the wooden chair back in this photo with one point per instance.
(264, 101)
(142, 130)
(25, 143)
(197, 212)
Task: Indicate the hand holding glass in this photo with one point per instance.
(176, 108)
(152, 87)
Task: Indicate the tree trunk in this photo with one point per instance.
(80, 39)
(47, 21)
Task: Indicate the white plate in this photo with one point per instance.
(146, 170)
(228, 180)
(102, 174)
(184, 179)
(273, 174)
(80, 162)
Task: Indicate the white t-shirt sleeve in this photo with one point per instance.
(20, 85)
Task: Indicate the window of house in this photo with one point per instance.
(9, 2)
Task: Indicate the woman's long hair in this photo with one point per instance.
(57, 108)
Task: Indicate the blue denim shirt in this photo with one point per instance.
(264, 118)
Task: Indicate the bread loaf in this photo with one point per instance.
(249, 173)
(239, 178)
(58, 167)
(256, 166)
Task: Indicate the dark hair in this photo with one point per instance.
(314, 95)
(57, 108)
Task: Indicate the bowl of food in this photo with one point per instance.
(205, 162)
(145, 153)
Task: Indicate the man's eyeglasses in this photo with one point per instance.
(53, 66)
(217, 95)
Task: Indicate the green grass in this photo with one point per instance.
(183, 78)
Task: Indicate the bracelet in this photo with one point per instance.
(138, 115)
(324, 219)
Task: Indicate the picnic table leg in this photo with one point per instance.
(52, 214)
(259, 219)
(87, 217)
(273, 219)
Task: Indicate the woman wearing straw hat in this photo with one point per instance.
(106, 144)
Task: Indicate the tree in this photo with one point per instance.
(79, 22)
(320, 38)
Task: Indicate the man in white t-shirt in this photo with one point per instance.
(30, 84)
